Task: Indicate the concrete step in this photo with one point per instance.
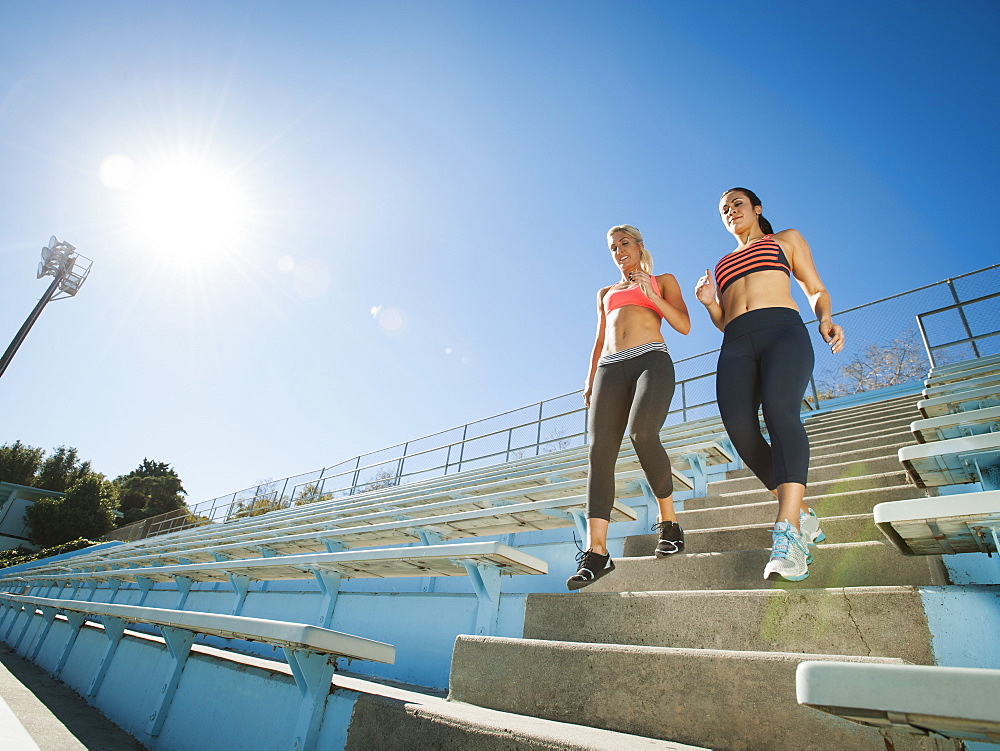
(849, 564)
(881, 404)
(765, 511)
(714, 698)
(884, 451)
(821, 473)
(757, 493)
(899, 426)
(875, 437)
(874, 412)
(850, 621)
(854, 528)
(862, 424)
(393, 719)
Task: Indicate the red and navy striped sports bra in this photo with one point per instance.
(761, 255)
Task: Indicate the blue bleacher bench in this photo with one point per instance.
(311, 651)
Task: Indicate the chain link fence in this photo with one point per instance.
(888, 341)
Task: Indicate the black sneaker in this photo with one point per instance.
(671, 539)
(592, 568)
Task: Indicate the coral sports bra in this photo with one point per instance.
(762, 255)
(618, 298)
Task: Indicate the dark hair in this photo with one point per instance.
(754, 201)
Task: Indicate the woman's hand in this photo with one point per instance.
(832, 334)
(587, 391)
(704, 290)
(649, 287)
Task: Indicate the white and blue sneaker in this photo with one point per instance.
(789, 554)
(809, 527)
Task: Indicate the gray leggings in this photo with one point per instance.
(634, 393)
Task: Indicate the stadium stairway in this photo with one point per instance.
(698, 648)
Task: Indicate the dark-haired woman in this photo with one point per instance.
(629, 386)
(766, 361)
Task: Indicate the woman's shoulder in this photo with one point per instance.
(792, 236)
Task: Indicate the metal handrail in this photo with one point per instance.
(358, 474)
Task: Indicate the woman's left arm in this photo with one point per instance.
(804, 268)
(665, 293)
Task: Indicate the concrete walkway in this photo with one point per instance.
(39, 712)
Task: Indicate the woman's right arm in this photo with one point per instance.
(707, 296)
(595, 355)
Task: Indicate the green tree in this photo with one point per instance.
(151, 489)
(87, 510)
(61, 470)
(19, 463)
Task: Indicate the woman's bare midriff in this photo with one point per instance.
(630, 326)
(762, 289)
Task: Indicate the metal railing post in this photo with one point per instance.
(684, 402)
(961, 313)
(927, 344)
(399, 466)
(461, 451)
(357, 471)
(538, 435)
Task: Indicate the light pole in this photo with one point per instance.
(69, 271)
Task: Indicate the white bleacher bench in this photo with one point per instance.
(482, 562)
(317, 519)
(993, 379)
(311, 651)
(957, 367)
(960, 703)
(962, 523)
(973, 458)
(477, 516)
(961, 375)
(961, 401)
(941, 428)
(560, 481)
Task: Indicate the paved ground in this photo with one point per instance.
(55, 716)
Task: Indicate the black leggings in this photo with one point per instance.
(633, 393)
(766, 360)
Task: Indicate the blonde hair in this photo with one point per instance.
(645, 259)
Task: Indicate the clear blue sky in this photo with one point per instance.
(452, 166)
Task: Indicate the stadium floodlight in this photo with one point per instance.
(68, 269)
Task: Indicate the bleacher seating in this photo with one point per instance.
(962, 366)
(960, 401)
(956, 703)
(988, 378)
(962, 523)
(483, 562)
(954, 461)
(311, 650)
(949, 702)
(956, 425)
(408, 561)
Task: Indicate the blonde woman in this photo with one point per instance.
(629, 386)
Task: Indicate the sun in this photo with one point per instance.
(190, 209)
